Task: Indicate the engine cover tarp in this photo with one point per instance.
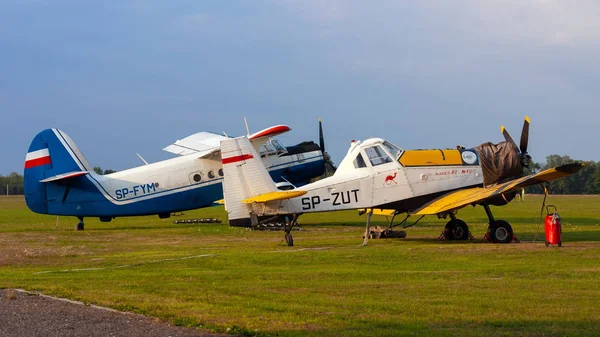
(499, 162)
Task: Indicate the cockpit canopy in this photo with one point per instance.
(272, 148)
(370, 153)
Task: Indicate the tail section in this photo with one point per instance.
(245, 177)
(52, 153)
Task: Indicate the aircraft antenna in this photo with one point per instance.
(247, 128)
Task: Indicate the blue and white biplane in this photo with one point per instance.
(60, 181)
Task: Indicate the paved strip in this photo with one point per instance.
(25, 313)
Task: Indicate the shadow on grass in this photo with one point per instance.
(524, 237)
(166, 226)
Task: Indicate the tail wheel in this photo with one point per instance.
(501, 232)
(456, 229)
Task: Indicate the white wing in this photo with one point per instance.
(205, 142)
(208, 143)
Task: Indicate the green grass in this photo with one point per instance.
(230, 279)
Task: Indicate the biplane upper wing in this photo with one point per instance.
(206, 144)
(461, 198)
(201, 142)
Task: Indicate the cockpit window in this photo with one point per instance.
(272, 147)
(377, 156)
(392, 149)
(359, 162)
(278, 146)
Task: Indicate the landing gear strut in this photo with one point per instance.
(499, 231)
(80, 225)
(288, 225)
(368, 229)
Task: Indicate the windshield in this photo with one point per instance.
(359, 162)
(278, 146)
(377, 156)
(392, 149)
(272, 147)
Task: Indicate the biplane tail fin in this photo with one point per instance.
(245, 176)
(52, 157)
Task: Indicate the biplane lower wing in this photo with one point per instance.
(461, 198)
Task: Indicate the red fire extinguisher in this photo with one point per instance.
(553, 227)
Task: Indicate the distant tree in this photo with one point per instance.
(586, 181)
(99, 170)
(14, 182)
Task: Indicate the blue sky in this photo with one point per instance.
(122, 77)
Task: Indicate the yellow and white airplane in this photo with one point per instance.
(378, 175)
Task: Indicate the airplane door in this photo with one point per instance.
(389, 179)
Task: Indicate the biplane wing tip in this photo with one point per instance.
(570, 168)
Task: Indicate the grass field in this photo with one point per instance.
(230, 279)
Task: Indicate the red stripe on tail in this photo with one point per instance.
(236, 158)
(37, 162)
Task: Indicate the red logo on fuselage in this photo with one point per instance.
(391, 179)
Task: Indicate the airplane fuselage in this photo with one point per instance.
(402, 181)
(167, 186)
(173, 185)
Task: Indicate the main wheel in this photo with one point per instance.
(289, 240)
(80, 226)
(501, 232)
(456, 230)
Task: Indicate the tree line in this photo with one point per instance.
(586, 181)
(13, 184)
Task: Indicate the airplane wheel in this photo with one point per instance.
(289, 239)
(547, 244)
(456, 230)
(501, 232)
(79, 226)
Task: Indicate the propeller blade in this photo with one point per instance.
(525, 135)
(321, 138)
(507, 136)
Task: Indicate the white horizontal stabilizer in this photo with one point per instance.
(63, 176)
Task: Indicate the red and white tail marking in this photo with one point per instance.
(37, 158)
(236, 159)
